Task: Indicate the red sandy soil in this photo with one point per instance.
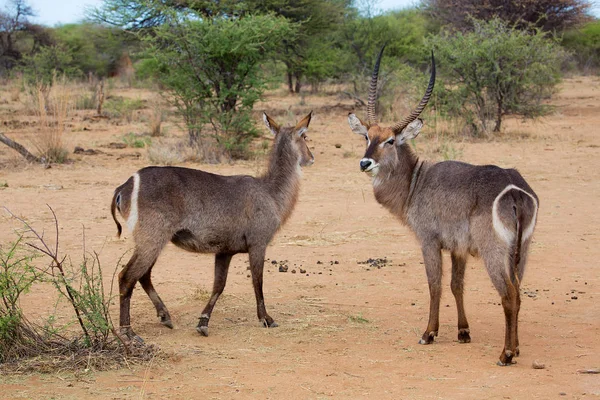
(347, 330)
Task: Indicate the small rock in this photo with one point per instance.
(114, 145)
(338, 145)
(538, 365)
(283, 268)
(273, 262)
(293, 271)
(319, 262)
(302, 271)
(51, 186)
(573, 297)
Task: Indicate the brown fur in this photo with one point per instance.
(448, 205)
(207, 213)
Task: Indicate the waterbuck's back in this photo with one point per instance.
(197, 210)
(453, 204)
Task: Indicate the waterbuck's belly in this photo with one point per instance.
(454, 236)
(209, 242)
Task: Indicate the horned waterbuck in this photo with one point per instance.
(207, 213)
(484, 211)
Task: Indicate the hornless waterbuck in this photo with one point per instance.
(466, 209)
(207, 213)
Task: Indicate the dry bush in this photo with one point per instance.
(15, 93)
(157, 116)
(89, 342)
(53, 106)
(162, 152)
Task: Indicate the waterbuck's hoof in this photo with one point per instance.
(503, 364)
(428, 338)
(128, 335)
(506, 359)
(464, 336)
(268, 324)
(203, 330)
(167, 323)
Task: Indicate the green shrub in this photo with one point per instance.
(212, 69)
(496, 70)
(584, 44)
(16, 278)
(120, 107)
(136, 141)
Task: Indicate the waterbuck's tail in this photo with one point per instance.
(525, 208)
(113, 207)
(516, 255)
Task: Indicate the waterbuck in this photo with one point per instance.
(466, 209)
(207, 213)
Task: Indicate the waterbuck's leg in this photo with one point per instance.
(257, 261)
(432, 256)
(161, 309)
(520, 270)
(510, 304)
(221, 267)
(458, 278)
(136, 268)
(516, 322)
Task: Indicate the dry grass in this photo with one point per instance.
(53, 107)
(15, 93)
(36, 353)
(162, 152)
(157, 116)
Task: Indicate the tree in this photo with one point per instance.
(315, 19)
(497, 70)
(13, 21)
(305, 53)
(404, 31)
(584, 43)
(548, 15)
(211, 67)
(94, 48)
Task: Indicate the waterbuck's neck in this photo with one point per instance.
(282, 179)
(395, 182)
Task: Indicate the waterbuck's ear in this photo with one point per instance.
(271, 124)
(302, 126)
(357, 125)
(410, 132)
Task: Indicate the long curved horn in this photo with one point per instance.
(373, 90)
(417, 111)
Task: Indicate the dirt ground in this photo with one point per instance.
(348, 329)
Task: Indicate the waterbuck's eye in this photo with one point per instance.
(390, 141)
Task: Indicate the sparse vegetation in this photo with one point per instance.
(28, 345)
(136, 141)
(54, 104)
(162, 153)
(496, 70)
(358, 319)
(123, 108)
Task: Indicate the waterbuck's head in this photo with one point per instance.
(383, 143)
(297, 135)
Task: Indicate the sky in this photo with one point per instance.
(53, 12)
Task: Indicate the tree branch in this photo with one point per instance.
(19, 148)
